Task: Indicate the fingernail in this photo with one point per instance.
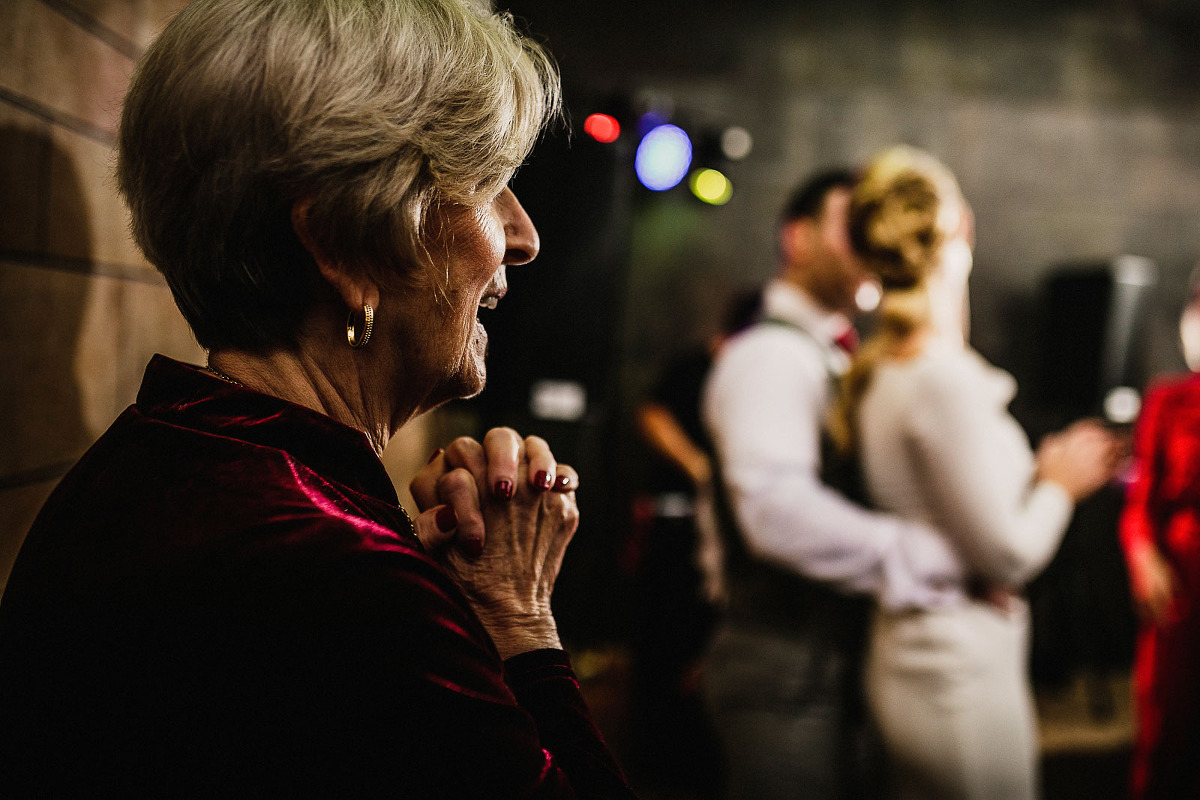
(474, 547)
(562, 481)
(446, 519)
(504, 490)
(542, 479)
(437, 452)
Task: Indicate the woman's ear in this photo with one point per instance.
(354, 286)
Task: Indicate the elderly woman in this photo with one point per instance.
(224, 596)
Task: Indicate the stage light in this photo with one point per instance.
(1122, 404)
(602, 127)
(736, 143)
(711, 186)
(868, 296)
(651, 120)
(663, 157)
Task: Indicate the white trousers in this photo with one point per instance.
(950, 694)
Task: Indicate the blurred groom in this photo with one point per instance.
(783, 678)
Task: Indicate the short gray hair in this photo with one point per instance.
(377, 109)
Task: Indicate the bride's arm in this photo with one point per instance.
(978, 481)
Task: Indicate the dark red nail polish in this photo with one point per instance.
(542, 479)
(474, 547)
(504, 490)
(446, 519)
(436, 453)
(562, 481)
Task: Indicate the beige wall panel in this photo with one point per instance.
(77, 345)
(405, 454)
(123, 324)
(18, 508)
(119, 16)
(151, 323)
(138, 21)
(41, 420)
(87, 218)
(54, 62)
(40, 413)
(23, 146)
(152, 15)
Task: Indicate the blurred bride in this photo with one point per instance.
(928, 418)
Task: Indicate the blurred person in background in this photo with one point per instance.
(680, 567)
(1160, 533)
(783, 676)
(928, 419)
(224, 596)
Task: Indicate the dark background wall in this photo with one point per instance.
(1072, 126)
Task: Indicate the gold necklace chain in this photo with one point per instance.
(223, 376)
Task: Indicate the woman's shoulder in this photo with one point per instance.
(187, 495)
(944, 374)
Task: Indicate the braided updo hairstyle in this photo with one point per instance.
(904, 209)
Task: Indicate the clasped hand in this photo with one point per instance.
(499, 516)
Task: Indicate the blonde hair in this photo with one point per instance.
(902, 211)
(377, 109)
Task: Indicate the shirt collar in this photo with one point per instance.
(783, 301)
(187, 396)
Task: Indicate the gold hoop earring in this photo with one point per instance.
(352, 335)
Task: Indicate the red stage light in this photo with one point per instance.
(602, 128)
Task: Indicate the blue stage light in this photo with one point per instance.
(663, 157)
(648, 122)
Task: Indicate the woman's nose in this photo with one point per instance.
(521, 244)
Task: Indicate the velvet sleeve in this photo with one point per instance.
(544, 684)
(466, 725)
(1137, 526)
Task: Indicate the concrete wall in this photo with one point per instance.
(1074, 129)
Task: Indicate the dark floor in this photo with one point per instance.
(1101, 775)
(1086, 760)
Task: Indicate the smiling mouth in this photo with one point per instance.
(492, 298)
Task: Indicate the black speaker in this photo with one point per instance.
(1092, 350)
(1092, 364)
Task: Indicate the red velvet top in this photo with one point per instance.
(1162, 504)
(224, 597)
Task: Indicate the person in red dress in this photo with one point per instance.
(1160, 532)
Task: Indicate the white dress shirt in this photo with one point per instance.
(764, 405)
